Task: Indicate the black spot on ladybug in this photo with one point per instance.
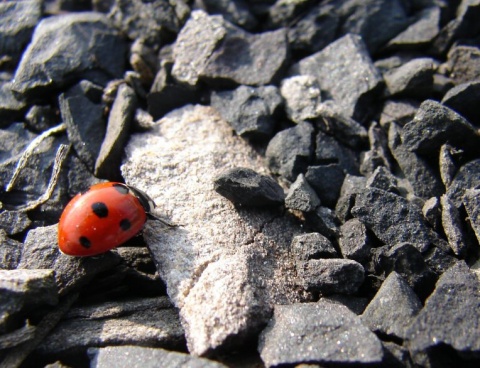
(84, 242)
(100, 209)
(121, 188)
(125, 224)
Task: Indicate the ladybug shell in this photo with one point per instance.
(105, 216)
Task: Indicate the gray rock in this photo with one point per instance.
(351, 91)
(290, 151)
(118, 129)
(356, 304)
(10, 252)
(332, 276)
(439, 261)
(353, 241)
(50, 62)
(399, 112)
(463, 62)
(448, 317)
(224, 266)
(14, 222)
(41, 117)
(432, 211)
(302, 96)
(396, 356)
(413, 79)
(378, 155)
(203, 51)
(236, 11)
(448, 163)
(435, 125)
(323, 332)
(312, 246)
(463, 98)
(383, 179)
(471, 200)
(148, 20)
(423, 178)
(41, 251)
(301, 196)
(283, 13)
(323, 220)
(11, 105)
(145, 357)
(452, 225)
(157, 325)
(350, 187)
(247, 187)
(250, 111)
(393, 219)
(327, 181)
(144, 60)
(420, 34)
(328, 150)
(18, 336)
(465, 178)
(393, 308)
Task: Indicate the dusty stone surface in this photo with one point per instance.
(224, 267)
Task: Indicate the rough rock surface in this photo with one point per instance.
(218, 264)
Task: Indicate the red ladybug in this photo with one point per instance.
(105, 216)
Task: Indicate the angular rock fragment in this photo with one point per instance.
(145, 357)
(471, 200)
(353, 241)
(302, 96)
(439, 261)
(290, 151)
(246, 187)
(250, 111)
(11, 106)
(41, 117)
(399, 112)
(413, 79)
(327, 181)
(323, 220)
(301, 196)
(18, 336)
(378, 155)
(323, 332)
(14, 222)
(435, 125)
(350, 187)
(393, 219)
(332, 276)
(10, 252)
(203, 51)
(466, 178)
(312, 246)
(393, 308)
(329, 150)
(432, 211)
(447, 163)
(452, 226)
(356, 304)
(463, 62)
(463, 99)
(448, 318)
(50, 62)
(383, 179)
(236, 11)
(351, 91)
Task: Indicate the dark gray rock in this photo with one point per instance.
(26, 290)
(396, 356)
(399, 112)
(248, 188)
(408, 262)
(471, 200)
(383, 179)
(41, 117)
(330, 150)
(393, 308)
(332, 121)
(393, 219)
(250, 111)
(312, 246)
(283, 13)
(439, 261)
(466, 178)
(453, 227)
(332, 276)
(323, 220)
(413, 79)
(435, 125)
(145, 357)
(353, 92)
(14, 222)
(17, 21)
(314, 30)
(448, 163)
(235, 11)
(41, 251)
(378, 155)
(148, 20)
(463, 62)
(11, 105)
(356, 304)
(448, 317)
(151, 323)
(204, 50)
(10, 252)
(144, 60)
(420, 34)
(50, 62)
(353, 241)
(109, 157)
(350, 187)
(463, 99)
(85, 123)
(301, 196)
(302, 96)
(432, 211)
(323, 332)
(327, 181)
(423, 178)
(18, 336)
(290, 151)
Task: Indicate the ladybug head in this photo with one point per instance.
(147, 203)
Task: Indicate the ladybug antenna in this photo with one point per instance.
(163, 221)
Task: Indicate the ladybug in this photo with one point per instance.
(105, 216)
